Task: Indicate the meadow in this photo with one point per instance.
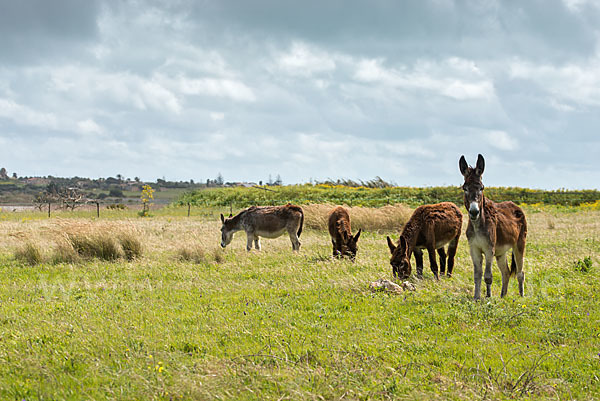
(187, 320)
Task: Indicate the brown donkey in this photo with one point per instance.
(493, 229)
(264, 221)
(430, 227)
(344, 244)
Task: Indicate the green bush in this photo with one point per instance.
(239, 197)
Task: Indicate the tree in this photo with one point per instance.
(67, 198)
(15, 176)
(219, 180)
(278, 181)
(146, 196)
(116, 193)
(3, 174)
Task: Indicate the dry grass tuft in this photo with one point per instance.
(218, 255)
(387, 218)
(97, 245)
(196, 254)
(193, 254)
(29, 254)
(65, 253)
(131, 245)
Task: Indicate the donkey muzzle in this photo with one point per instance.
(474, 211)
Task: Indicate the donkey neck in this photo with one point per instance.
(482, 221)
(411, 234)
(236, 221)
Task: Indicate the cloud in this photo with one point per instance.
(228, 88)
(23, 115)
(89, 127)
(459, 80)
(323, 90)
(305, 61)
(501, 140)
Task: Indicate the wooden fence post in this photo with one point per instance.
(98, 209)
(189, 206)
(48, 209)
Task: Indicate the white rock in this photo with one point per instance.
(386, 285)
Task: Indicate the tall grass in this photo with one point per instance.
(77, 241)
(98, 245)
(29, 254)
(386, 218)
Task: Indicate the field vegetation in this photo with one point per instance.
(183, 319)
(374, 197)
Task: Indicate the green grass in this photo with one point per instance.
(278, 325)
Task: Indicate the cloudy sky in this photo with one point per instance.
(306, 89)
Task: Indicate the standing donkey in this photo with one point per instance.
(344, 243)
(264, 221)
(430, 227)
(493, 229)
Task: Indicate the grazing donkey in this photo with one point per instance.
(264, 221)
(493, 229)
(430, 227)
(344, 244)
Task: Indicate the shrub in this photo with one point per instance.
(116, 193)
(116, 206)
(29, 254)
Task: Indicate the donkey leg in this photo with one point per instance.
(442, 253)
(451, 253)
(477, 258)
(257, 242)
(518, 254)
(432, 261)
(487, 275)
(295, 241)
(249, 240)
(419, 260)
(503, 266)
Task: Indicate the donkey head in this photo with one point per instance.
(227, 230)
(346, 245)
(400, 259)
(473, 187)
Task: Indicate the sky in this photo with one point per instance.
(309, 90)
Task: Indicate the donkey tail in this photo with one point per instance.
(301, 222)
(513, 265)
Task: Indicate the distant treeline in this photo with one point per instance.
(374, 197)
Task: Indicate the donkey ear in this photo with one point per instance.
(222, 218)
(403, 243)
(480, 165)
(462, 165)
(391, 245)
(357, 236)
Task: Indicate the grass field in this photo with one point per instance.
(278, 325)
